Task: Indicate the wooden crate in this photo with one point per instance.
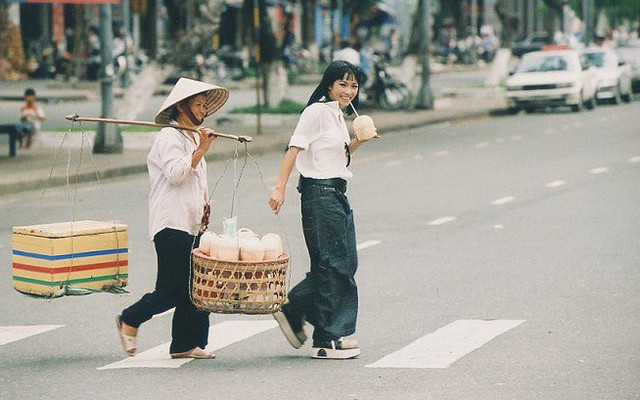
(84, 254)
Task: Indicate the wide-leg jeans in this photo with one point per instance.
(328, 296)
(190, 327)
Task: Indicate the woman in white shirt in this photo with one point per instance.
(178, 214)
(320, 148)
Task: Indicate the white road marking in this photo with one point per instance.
(393, 163)
(441, 153)
(10, 334)
(600, 170)
(446, 345)
(418, 157)
(368, 243)
(441, 221)
(516, 138)
(634, 160)
(498, 226)
(164, 313)
(556, 184)
(220, 335)
(482, 145)
(503, 200)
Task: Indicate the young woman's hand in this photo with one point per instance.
(276, 200)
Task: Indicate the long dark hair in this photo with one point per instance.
(336, 71)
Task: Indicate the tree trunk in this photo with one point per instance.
(508, 19)
(275, 84)
(149, 32)
(12, 58)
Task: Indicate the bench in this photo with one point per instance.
(15, 132)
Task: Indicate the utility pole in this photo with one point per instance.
(108, 138)
(424, 99)
(587, 20)
(258, 58)
(128, 51)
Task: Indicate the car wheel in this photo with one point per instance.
(617, 99)
(628, 97)
(529, 110)
(591, 104)
(512, 110)
(578, 107)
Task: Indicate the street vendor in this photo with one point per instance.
(178, 215)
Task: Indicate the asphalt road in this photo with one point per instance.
(528, 222)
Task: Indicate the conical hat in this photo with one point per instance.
(216, 97)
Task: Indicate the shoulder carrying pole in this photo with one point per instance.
(76, 117)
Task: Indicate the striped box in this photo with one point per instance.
(84, 254)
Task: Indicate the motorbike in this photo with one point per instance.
(385, 91)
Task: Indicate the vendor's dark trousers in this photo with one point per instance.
(190, 327)
(328, 297)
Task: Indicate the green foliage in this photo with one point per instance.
(617, 10)
(286, 106)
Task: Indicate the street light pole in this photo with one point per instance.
(108, 138)
(424, 99)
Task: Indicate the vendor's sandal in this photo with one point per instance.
(128, 342)
(196, 352)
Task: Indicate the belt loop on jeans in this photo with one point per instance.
(336, 183)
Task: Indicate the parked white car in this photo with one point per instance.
(614, 75)
(551, 79)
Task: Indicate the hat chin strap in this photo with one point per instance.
(187, 111)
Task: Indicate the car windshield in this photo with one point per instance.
(543, 63)
(600, 59)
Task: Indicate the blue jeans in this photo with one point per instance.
(328, 297)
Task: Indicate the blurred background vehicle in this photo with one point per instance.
(630, 52)
(552, 79)
(533, 42)
(384, 91)
(613, 73)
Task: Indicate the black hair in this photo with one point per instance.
(336, 71)
(29, 92)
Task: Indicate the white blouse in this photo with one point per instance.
(322, 134)
(178, 192)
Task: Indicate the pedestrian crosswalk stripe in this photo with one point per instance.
(446, 345)
(10, 334)
(368, 243)
(220, 335)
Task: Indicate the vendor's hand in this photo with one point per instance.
(206, 138)
(204, 223)
(276, 200)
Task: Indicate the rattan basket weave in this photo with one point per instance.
(238, 287)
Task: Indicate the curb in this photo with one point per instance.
(277, 144)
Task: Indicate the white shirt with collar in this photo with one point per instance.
(178, 192)
(322, 134)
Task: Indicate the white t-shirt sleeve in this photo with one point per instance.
(176, 165)
(307, 130)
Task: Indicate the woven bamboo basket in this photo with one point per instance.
(238, 287)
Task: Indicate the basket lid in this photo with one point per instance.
(66, 229)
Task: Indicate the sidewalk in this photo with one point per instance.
(31, 169)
